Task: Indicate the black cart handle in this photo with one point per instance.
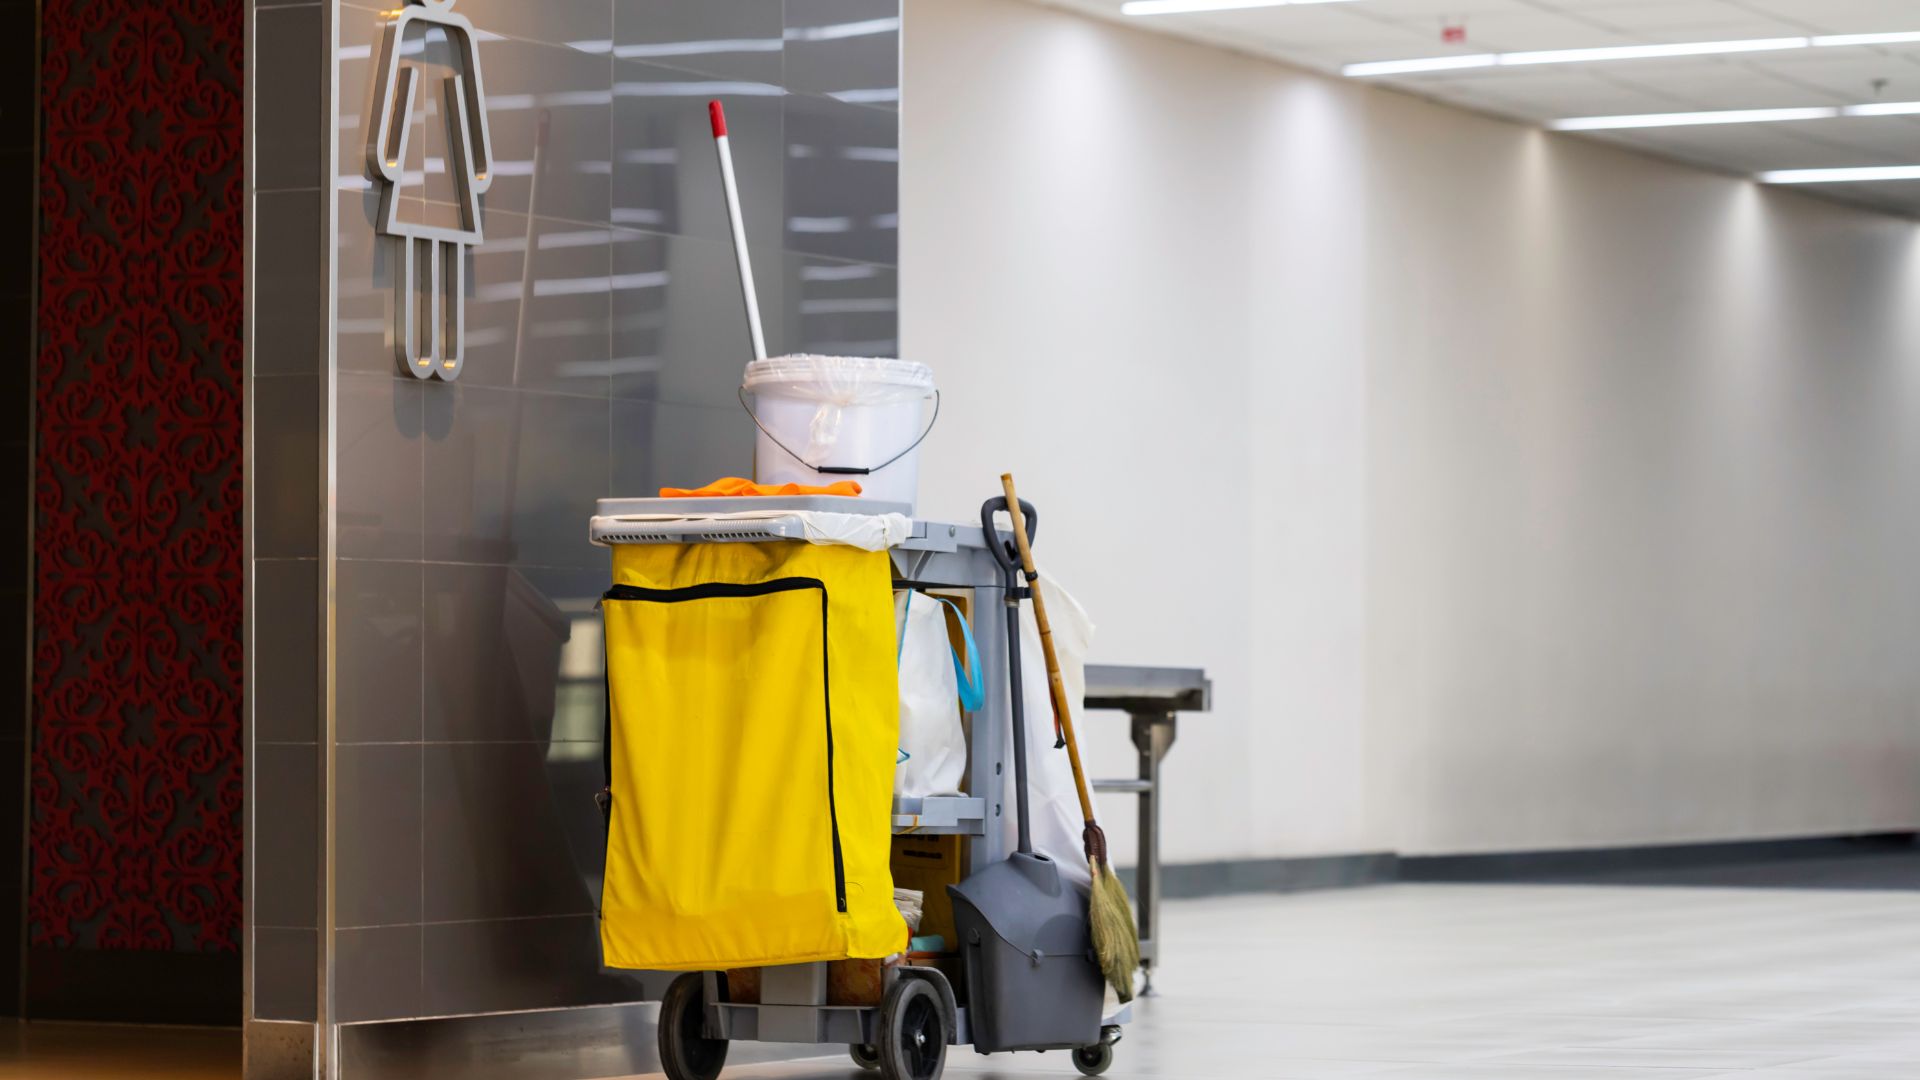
(1003, 551)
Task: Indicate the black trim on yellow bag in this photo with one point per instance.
(728, 590)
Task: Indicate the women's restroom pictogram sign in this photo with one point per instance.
(430, 276)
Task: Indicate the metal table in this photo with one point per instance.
(1152, 698)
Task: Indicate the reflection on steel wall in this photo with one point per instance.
(136, 831)
(603, 343)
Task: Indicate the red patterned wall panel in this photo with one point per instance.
(136, 820)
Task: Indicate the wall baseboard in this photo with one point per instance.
(1650, 864)
(278, 1050)
(1186, 881)
(1650, 861)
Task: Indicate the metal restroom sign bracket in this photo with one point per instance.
(430, 276)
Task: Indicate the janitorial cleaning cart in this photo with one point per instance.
(755, 840)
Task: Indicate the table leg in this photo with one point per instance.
(1153, 735)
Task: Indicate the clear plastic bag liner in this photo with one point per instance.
(835, 384)
(1053, 800)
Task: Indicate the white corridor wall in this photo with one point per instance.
(1518, 492)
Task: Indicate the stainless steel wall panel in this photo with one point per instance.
(679, 327)
(378, 879)
(287, 802)
(668, 445)
(496, 847)
(509, 470)
(285, 466)
(289, 116)
(843, 180)
(285, 983)
(736, 40)
(289, 336)
(842, 308)
(499, 966)
(847, 49)
(378, 613)
(666, 177)
(538, 310)
(605, 342)
(286, 642)
(379, 463)
(377, 974)
(505, 649)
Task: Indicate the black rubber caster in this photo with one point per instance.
(1093, 1060)
(912, 1033)
(686, 1053)
(865, 1056)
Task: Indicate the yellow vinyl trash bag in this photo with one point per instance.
(753, 723)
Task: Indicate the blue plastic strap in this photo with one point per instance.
(973, 687)
(900, 646)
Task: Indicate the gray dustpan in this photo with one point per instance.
(1032, 980)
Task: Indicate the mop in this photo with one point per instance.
(1116, 938)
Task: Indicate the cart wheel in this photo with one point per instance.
(685, 1051)
(1093, 1060)
(865, 1056)
(913, 1033)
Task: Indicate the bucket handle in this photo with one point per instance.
(840, 470)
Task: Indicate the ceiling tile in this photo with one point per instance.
(1326, 36)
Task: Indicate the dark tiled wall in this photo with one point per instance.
(606, 340)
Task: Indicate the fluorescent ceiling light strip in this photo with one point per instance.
(1429, 63)
(1841, 176)
(1180, 7)
(1616, 52)
(1690, 119)
(1884, 108)
(1732, 116)
(1832, 41)
(1647, 52)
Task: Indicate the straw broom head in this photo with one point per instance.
(1116, 938)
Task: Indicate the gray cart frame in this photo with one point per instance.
(936, 556)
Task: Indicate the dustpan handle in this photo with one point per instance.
(1005, 554)
(1003, 551)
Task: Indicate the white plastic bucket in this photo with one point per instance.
(824, 419)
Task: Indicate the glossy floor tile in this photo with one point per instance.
(1411, 982)
(1474, 982)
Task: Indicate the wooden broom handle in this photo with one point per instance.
(1056, 683)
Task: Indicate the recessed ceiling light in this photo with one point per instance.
(1841, 176)
(1620, 52)
(1732, 116)
(1177, 7)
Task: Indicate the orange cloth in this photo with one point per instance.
(734, 485)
